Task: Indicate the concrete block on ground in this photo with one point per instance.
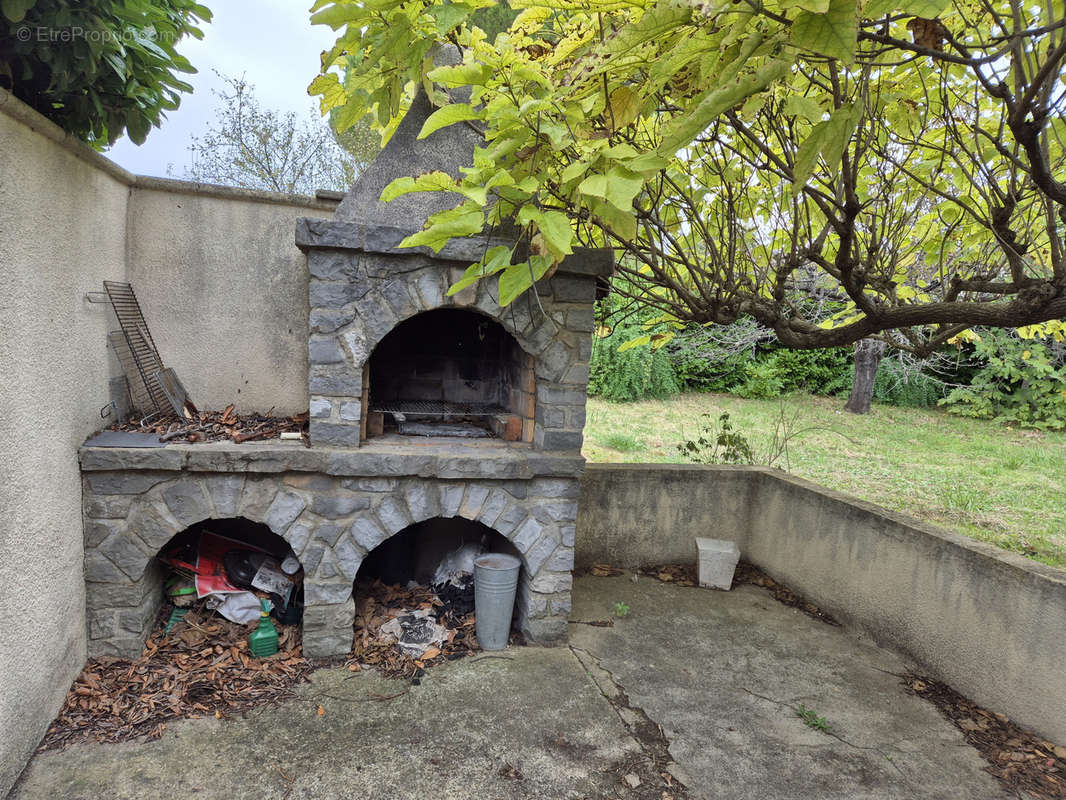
(717, 560)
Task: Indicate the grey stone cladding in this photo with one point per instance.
(330, 521)
(362, 285)
(344, 496)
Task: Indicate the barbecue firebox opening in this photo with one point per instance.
(451, 372)
(418, 552)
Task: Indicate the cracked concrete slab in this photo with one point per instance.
(723, 674)
(699, 685)
(526, 723)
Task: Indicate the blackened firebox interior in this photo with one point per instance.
(450, 372)
(418, 552)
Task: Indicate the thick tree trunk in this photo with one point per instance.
(868, 354)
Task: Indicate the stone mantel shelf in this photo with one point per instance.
(386, 457)
(312, 234)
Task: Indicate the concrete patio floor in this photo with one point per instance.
(698, 684)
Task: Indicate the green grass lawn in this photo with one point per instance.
(986, 481)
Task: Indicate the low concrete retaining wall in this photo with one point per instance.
(638, 515)
(988, 622)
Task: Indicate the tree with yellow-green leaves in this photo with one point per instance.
(904, 158)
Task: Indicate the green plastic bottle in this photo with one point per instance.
(263, 641)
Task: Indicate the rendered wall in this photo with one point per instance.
(224, 290)
(62, 231)
(218, 274)
(641, 515)
(989, 623)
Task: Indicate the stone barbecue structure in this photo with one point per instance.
(422, 405)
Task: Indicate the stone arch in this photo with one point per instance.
(330, 575)
(123, 588)
(420, 500)
(331, 522)
(174, 506)
(416, 533)
(543, 599)
(452, 353)
(379, 312)
(527, 329)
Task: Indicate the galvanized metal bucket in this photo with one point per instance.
(495, 584)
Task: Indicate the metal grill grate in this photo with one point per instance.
(139, 396)
(438, 408)
(136, 351)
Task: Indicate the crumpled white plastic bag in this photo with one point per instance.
(457, 565)
(240, 607)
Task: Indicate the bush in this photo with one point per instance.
(622, 442)
(632, 374)
(717, 443)
(112, 67)
(745, 359)
(761, 369)
(897, 386)
(703, 365)
(823, 371)
(1022, 382)
(763, 380)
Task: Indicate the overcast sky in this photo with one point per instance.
(271, 42)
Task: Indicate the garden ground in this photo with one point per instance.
(981, 479)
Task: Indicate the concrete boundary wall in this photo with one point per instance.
(989, 623)
(62, 231)
(225, 291)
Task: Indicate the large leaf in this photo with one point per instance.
(449, 114)
(448, 15)
(797, 106)
(657, 21)
(447, 225)
(827, 139)
(622, 223)
(461, 75)
(517, 278)
(15, 10)
(832, 34)
(926, 9)
(555, 230)
(330, 89)
(496, 259)
(435, 181)
(814, 6)
(337, 15)
(681, 130)
(624, 107)
(618, 187)
(637, 342)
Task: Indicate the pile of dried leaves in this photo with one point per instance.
(749, 573)
(376, 603)
(1026, 764)
(202, 667)
(681, 574)
(217, 426)
(602, 571)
